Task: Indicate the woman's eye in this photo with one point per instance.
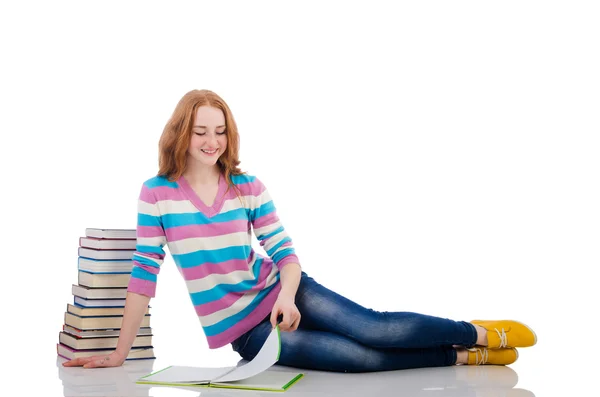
(221, 133)
(200, 133)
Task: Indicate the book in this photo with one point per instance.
(84, 292)
(110, 233)
(104, 266)
(94, 333)
(97, 311)
(99, 342)
(92, 253)
(103, 322)
(103, 280)
(108, 243)
(135, 353)
(254, 375)
(83, 302)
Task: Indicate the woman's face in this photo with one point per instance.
(209, 138)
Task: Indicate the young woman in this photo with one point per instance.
(203, 207)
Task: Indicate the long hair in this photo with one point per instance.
(175, 139)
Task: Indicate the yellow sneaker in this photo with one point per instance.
(507, 333)
(484, 356)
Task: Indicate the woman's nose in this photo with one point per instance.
(212, 140)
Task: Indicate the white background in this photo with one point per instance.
(438, 157)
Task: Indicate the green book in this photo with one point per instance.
(254, 375)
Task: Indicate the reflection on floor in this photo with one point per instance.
(452, 381)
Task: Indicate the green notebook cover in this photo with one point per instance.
(254, 375)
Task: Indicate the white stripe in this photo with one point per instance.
(239, 305)
(273, 241)
(147, 208)
(209, 243)
(250, 200)
(152, 241)
(158, 262)
(268, 229)
(210, 281)
(176, 207)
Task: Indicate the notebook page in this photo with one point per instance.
(183, 374)
(266, 357)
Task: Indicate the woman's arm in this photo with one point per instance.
(285, 304)
(133, 314)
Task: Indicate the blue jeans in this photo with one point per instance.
(336, 334)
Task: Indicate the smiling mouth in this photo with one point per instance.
(209, 152)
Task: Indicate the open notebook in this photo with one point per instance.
(254, 375)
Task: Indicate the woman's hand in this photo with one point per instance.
(114, 359)
(286, 307)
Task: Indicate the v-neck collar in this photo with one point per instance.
(209, 211)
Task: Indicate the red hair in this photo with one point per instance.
(175, 139)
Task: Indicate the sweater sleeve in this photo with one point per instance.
(268, 229)
(149, 254)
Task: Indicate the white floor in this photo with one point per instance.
(450, 381)
(523, 380)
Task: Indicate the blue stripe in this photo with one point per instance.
(279, 244)
(140, 273)
(219, 291)
(244, 178)
(150, 249)
(282, 254)
(148, 220)
(197, 258)
(263, 210)
(229, 322)
(263, 237)
(144, 261)
(158, 181)
(197, 218)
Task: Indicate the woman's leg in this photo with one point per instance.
(324, 310)
(328, 351)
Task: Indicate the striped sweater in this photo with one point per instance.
(231, 286)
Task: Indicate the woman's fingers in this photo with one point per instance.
(89, 362)
(290, 323)
(77, 362)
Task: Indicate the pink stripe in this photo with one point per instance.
(150, 231)
(231, 194)
(286, 244)
(208, 268)
(209, 230)
(253, 188)
(230, 298)
(147, 196)
(142, 287)
(287, 260)
(266, 220)
(168, 193)
(261, 311)
(223, 303)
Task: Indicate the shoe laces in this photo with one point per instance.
(481, 356)
(503, 337)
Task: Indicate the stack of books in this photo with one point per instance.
(93, 321)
